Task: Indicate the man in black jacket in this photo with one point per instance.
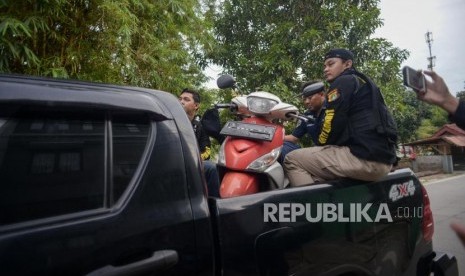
(350, 145)
(190, 101)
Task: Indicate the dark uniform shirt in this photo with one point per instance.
(202, 139)
(349, 120)
(310, 128)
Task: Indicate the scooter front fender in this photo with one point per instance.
(238, 184)
(275, 174)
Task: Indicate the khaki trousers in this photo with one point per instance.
(308, 165)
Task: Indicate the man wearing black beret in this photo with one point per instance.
(350, 143)
(313, 97)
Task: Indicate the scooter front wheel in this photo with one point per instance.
(238, 184)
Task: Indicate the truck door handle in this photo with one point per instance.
(160, 260)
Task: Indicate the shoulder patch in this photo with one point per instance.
(333, 95)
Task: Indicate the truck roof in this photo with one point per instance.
(14, 88)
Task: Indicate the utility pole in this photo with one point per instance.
(431, 59)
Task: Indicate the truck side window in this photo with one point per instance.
(130, 133)
(52, 161)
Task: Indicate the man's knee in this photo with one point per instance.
(288, 147)
(288, 160)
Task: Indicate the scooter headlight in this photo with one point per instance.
(263, 162)
(260, 105)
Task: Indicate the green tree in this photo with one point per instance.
(406, 116)
(157, 44)
(261, 42)
(419, 120)
(426, 129)
(461, 95)
(432, 121)
(279, 44)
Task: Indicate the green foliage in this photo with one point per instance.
(416, 119)
(279, 44)
(461, 95)
(270, 45)
(433, 120)
(146, 43)
(426, 129)
(438, 116)
(261, 41)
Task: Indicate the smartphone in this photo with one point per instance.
(414, 79)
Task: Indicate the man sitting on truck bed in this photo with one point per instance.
(313, 97)
(358, 136)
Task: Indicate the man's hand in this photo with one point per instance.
(291, 138)
(437, 93)
(459, 230)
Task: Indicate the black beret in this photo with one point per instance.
(340, 53)
(312, 89)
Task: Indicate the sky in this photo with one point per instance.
(405, 24)
(407, 21)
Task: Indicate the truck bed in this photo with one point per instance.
(251, 238)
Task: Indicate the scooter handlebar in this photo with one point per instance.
(228, 105)
(300, 117)
(232, 107)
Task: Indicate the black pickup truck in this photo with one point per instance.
(101, 179)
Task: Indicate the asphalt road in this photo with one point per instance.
(447, 197)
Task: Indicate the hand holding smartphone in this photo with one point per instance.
(414, 79)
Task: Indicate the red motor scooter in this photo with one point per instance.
(247, 160)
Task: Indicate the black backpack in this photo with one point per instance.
(212, 125)
(384, 122)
